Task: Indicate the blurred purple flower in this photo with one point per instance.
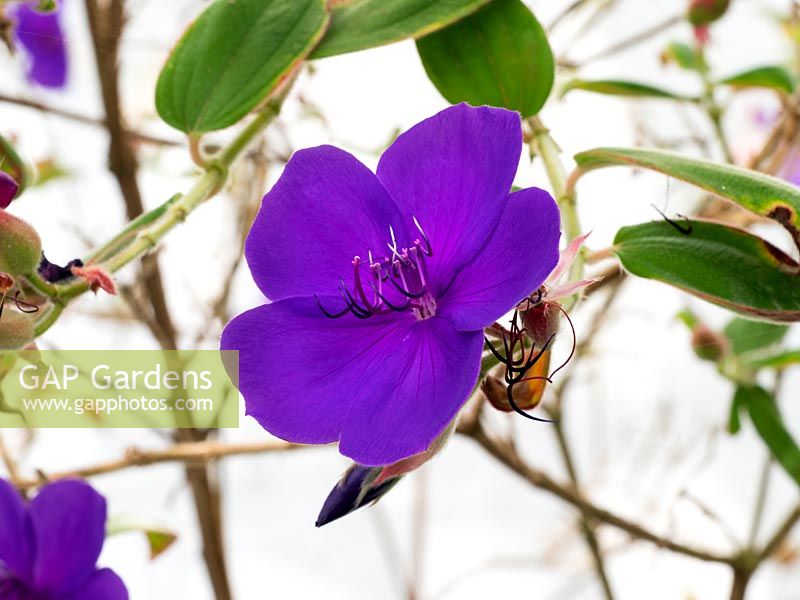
(381, 285)
(8, 189)
(41, 36)
(49, 547)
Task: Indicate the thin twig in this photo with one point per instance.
(86, 120)
(191, 453)
(507, 455)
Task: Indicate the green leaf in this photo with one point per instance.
(159, 538)
(232, 57)
(363, 24)
(772, 77)
(498, 56)
(734, 416)
(748, 336)
(684, 55)
(769, 424)
(782, 360)
(720, 264)
(762, 194)
(618, 87)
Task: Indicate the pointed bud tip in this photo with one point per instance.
(8, 189)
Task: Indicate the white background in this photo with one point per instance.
(645, 417)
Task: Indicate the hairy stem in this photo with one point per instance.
(546, 147)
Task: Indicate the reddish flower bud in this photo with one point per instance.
(97, 278)
(704, 12)
(20, 246)
(8, 189)
(16, 330)
(708, 344)
(541, 322)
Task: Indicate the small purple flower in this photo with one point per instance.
(49, 547)
(8, 189)
(381, 285)
(42, 37)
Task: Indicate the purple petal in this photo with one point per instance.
(69, 520)
(325, 209)
(517, 259)
(453, 172)
(8, 189)
(299, 371)
(428, 376)
(40, 34)
(385, 386)
(103, 585)
(15, 534)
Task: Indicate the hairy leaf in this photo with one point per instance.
(762, 194)
(772, 77)
(497, 56)
(770, 426)
(232, 57)
(366, 24)
(720, 264)
(618, 87)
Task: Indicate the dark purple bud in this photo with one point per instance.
(54, 273)
(8, 189)
(353, 491)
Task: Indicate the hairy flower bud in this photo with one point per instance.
(705, 12)
(708, 344)
(8, 189)
(20, 246)
(16, 330)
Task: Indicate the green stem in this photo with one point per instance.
(143, 234)
(546, 147)
(712, 107)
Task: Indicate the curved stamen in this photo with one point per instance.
(390, 305)
(351, 303)
(404, 291)
(328, 314)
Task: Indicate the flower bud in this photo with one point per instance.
(704, 12)
(8, 189)
(20, 246)
(541, 322)
(16, 330)
(527, 394)
(708, 344)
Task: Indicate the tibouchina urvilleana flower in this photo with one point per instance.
(49, 547)
(41, 37)
(381, 284)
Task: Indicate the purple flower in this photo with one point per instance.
(8, 189)
(41, 36)
(381, 285)
(49, 547)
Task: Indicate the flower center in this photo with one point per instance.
(397, 282)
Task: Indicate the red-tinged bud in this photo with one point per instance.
(708, 344)
(20, 246)
(496, 393)
(704, 12)
(16, 330)
(97, 278)
(8, 189)
(541, 323)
